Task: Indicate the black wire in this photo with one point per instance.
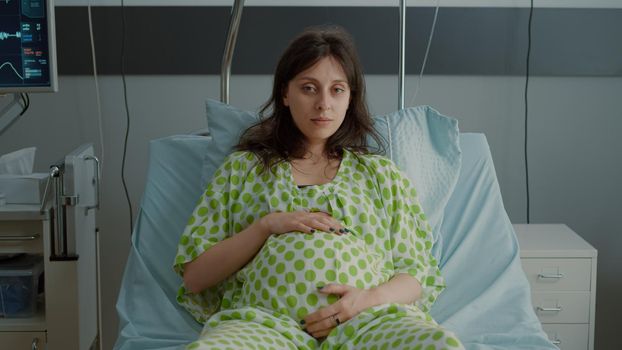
(527, 107)
(21, 96)
(25, 102)
(127, 117)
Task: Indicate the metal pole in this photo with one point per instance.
(232, 34)
(400, 87)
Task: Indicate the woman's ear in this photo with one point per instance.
(284, 95)
(285, 101)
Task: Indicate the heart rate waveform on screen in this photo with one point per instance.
(8, 66)
(25, 62)
(5, 35)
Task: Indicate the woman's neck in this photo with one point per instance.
(316, 153)
(314, 168)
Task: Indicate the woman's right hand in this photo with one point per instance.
(303, 221)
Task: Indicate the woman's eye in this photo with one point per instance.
(308, 88)
(339, 90)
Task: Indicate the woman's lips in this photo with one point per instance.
(321, 121)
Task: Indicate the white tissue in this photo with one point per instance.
(19, 162)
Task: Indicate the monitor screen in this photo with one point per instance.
(27, 46)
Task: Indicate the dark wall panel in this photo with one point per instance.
(468, 41)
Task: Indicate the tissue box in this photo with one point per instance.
(19, 286)
(23, 189)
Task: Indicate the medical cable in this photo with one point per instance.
(386, 119)
(127, 116)
(527, 107)
(97, 92)
(427, 51)
(101, 158)
(425, 59)
(25, 102)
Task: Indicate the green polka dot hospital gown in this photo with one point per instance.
(260, 306)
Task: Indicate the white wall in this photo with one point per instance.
(575, 165)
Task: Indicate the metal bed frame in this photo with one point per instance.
(232, 34)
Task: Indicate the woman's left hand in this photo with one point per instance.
(352, 301)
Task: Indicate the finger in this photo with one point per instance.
(304, 228)
(314, 224)
(330, 224)
(336, 224)
(344, 230)
(333, 288)
(325, 325)
(322, 334)
(325, 222)
(322, 314)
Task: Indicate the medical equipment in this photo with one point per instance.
(27, 47)
(62, 231)
(27, 54)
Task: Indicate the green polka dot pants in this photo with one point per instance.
(388, 326)
(405, 333)
(241, 334)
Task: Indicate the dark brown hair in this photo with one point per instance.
(275, 138)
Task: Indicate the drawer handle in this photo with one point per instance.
(550, 275)
(556, 342)
(19, 238)
(549, 309)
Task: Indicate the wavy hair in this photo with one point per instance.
(275, 138)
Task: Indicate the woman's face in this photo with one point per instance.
(318, 99)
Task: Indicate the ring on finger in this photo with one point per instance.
(335, 319)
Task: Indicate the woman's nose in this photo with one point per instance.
(323, 102)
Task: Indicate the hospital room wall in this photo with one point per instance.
(574, 148)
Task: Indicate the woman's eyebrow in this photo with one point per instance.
(317, 81)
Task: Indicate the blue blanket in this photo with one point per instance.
(486, 303)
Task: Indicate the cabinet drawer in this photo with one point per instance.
(568, 336)
(559, 307)
(558, 274)
(22, 340)
(21, 237)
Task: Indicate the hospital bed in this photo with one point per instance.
(486, 303)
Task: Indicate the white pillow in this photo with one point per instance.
(426, 146)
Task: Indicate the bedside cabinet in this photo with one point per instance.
(66, 310)
(561, 269)
(60, 236)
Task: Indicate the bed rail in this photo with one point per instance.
(402, 71)
(232, 35)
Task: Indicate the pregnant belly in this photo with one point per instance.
(286, 272)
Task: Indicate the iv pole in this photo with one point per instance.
(402, 62)
(232, 35)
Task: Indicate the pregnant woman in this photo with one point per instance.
(304, 239)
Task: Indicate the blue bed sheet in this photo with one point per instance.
(487, 301)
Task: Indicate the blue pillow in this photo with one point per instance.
(421, 141)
